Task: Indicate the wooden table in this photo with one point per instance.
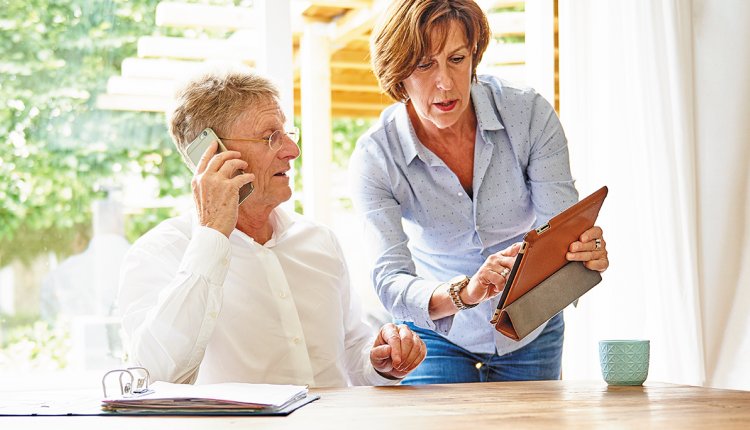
(551, 404)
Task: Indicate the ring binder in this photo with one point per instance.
(128, 389)
(137, 395)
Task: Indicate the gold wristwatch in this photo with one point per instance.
(456, 285)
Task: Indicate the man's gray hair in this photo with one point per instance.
(216, 99)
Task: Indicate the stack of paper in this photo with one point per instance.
(212, 399)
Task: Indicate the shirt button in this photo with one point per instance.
(460, 194)
(282, 295)
(296, 340)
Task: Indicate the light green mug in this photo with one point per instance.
(624, 362)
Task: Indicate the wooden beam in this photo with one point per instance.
(371, 99)
(350, 88)
(354, 24)
(350, 113)
(362, 82)
(192, 15)
(359, 60)
(360, 106)
(368, 100)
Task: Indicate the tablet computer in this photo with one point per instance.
(542, 254)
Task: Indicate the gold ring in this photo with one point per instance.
(597, 244)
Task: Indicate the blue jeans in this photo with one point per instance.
(448, 363)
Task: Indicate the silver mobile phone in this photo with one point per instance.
(198, 146)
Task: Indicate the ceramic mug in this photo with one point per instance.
(624, 362)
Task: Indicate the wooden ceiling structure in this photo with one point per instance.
(147, 82)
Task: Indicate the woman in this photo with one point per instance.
(448, 182)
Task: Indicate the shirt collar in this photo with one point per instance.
(406, 134)
(485, 108)
(281, 222)
(487, 119)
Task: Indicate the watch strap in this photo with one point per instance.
(454, 291)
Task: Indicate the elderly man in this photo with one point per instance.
(247, 292)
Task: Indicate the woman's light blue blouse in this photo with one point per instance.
(422, 229)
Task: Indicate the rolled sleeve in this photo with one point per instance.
(404, 294)
(550, 179)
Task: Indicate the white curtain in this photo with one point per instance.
(631, 105)
(722, 77)
(654, 98)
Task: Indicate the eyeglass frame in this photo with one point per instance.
(288, 133)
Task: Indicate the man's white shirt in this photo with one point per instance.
(198, 307)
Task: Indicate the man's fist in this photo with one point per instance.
(397, 351)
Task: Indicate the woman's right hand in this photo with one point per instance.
(491, 277)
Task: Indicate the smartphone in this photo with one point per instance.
(198, 147)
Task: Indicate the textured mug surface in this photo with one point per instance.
(624, 362)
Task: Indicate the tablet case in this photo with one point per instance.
(542, 282)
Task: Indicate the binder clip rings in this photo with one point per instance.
(133, 381)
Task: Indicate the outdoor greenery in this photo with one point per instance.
(60, 153)
(33, 344)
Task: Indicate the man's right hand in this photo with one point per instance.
(216, 191)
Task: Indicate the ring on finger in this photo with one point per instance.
(597, 243)
(504, 273)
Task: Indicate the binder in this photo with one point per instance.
(129, 392)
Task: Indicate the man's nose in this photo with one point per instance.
(289, 149)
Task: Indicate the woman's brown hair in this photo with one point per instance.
(401, 39)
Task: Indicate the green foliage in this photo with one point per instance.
(26, 343)
(346, 131)
(58, 151)
(144, 221)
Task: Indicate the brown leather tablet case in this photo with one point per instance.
(543, 282)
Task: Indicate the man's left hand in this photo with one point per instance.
(397, 351)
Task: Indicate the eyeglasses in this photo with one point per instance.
(274, 141)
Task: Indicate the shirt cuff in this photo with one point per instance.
(420, 292)
(207, 255)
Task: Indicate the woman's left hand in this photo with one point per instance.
(591, 249)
